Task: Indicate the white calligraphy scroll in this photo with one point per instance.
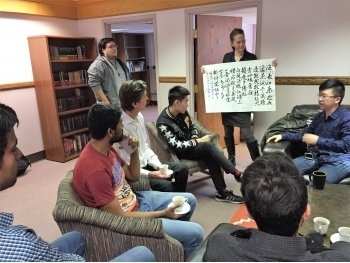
(240, 86)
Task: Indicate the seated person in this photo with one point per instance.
(327, 137)
(276, 198)
(175, 126)
(20, 243)
(133, 99)
(99, 178)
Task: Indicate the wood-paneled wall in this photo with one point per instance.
(85, 9)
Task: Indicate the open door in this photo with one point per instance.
(213, 41)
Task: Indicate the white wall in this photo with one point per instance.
(15, 67)
(308, 38)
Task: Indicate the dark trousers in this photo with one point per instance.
(180, 176)
(214, 158)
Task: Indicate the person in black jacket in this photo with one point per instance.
(174, 124)
(239, 119)
(277, 199)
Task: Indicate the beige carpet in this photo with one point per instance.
(33, 197)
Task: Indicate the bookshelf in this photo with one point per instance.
(132, 51)
(64, 98)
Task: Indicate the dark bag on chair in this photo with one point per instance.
(22, 165)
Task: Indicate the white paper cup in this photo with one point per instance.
(321, 225)
(344, 233)
(163, 168)
(179, 200)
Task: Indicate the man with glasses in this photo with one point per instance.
(107, 73)
(328, 135)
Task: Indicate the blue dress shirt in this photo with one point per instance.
(333, 144)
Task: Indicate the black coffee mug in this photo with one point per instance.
(318, 179)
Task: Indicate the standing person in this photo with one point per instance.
(174, 124)
(239, 119)
(107, 73)
(100, 175)
(328, 135)
(20, 243)
(277, 199)
(133, 98)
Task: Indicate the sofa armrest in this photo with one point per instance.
(281, 147)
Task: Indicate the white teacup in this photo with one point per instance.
(179, 200)
(163, 168)
(344, 233)
(321, 225)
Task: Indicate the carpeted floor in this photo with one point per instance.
(33, 197)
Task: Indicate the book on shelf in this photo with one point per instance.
(80, 100)
(75, 144)
(67, 53)
(69, 124)
(77, 77)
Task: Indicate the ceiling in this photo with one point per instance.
(146, 26)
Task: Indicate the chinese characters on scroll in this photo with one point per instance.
(240, 86)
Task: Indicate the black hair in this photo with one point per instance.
(275, 194)
(101, 118)
(131, 92)
(8, 119)
(336, 85)
(103, 43)
(177, 93)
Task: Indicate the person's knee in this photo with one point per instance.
(147, 255)
(197, 234)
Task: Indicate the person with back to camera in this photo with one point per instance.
(20, 243)
(133, 98)
(277, 199)
(175, 126)
(107, 73)
(100, 179)
(328, 135)
(239, 119)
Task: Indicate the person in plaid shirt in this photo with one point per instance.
(20, 243)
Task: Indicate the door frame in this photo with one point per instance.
(106, 24)
(191, 12)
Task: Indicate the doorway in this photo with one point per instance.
(212, 28)
(136, 48)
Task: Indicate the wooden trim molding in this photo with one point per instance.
(172, 79)
(20, 85)
(308, 80)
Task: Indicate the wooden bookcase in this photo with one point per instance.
(64, 98)
(132, 51)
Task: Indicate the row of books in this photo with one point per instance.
(73, 123)
(136, 65)
(73, 102)
(66, 53)
(75, 144)
(77, 77)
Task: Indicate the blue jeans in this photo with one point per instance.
(136, 254)
(189, 234)
(71, 243)
(74, 243)
(336, 171)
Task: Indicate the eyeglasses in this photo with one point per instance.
(324, 96)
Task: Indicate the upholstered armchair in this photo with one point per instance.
(108, 235)
(165, 153)
(300, 117)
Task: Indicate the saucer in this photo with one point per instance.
(169, 172)
(185, 208)
(335, 237)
